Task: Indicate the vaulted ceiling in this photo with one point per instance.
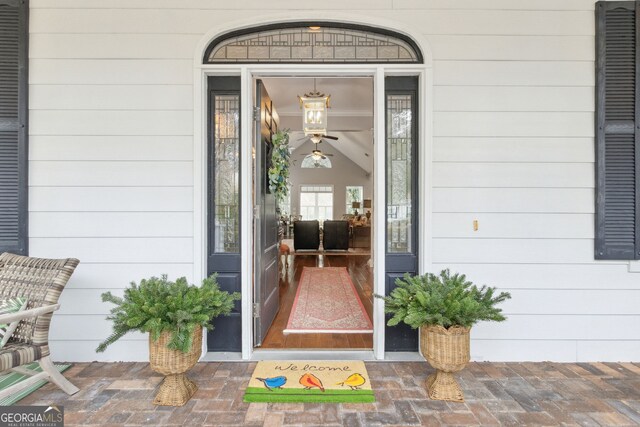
(350, 117)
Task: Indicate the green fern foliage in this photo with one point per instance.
(446, 300)
(280, 163)
(157, 305)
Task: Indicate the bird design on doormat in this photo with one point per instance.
(354, 381)
(274, 382)
(309, 381)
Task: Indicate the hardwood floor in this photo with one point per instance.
(362, 277)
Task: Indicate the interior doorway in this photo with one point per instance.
(321, 296)
(402, 82)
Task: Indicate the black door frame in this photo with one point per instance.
(227, 334)
(423, 74)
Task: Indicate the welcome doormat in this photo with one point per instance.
(327, 302)
(310, 381)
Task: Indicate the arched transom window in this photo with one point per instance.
(312, 42)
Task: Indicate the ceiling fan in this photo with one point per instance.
(317, 138)
(317, 154)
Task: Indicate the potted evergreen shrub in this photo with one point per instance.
(173, 313)
(444, 307)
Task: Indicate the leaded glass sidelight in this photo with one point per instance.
(399, 170)
(226, 140)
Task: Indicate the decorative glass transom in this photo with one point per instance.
(312, 43)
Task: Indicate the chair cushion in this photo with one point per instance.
(17, 354)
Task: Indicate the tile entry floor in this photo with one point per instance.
(511, 394)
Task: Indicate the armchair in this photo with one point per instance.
(41, 282)
(306, 235)
(335, 235)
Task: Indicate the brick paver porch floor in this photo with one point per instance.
(512, 394)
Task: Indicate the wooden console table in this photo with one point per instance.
(361, 237)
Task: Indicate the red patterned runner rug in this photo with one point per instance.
(327, 302)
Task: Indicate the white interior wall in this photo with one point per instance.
(342, 173)
(111, 161)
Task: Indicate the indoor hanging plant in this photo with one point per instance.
(174, 314)
(444, 307)
(279, 167)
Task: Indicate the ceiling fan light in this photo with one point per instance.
(312, 162)
(316, 139)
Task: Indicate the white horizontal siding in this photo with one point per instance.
(115, 71)
(514, 73)
(512, 225)
(112, 161)
(620, 351)
(184, 21)
(509, 251)
(91, 327)
(523, 327)
(571, 327)
(516, 200)
(493, 4)
(110, 199)
(50, 20)
(110, 147)
(489, 124)
(105, 275)
(523, 48)
(556, 350)
(252, 6)
(75, 301)
(110, 224)
(112, 173)
(84, 351)
(513, 149)
(497, 22)
(602, 275)
(111, 122)
(257, 5)
(501, 350)
(112, 46)
(111, 97)
(513, 98)
(481, 350)
(115, 249)
(563, 175)
(523, 302)
(572, 302)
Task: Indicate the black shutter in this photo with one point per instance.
(617, 137)
(13, 126)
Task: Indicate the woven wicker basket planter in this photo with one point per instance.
(447, 350)
(176, 389)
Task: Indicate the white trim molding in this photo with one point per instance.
(248, 73)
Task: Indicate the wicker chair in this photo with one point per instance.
(40, 281)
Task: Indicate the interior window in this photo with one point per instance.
(355, 194)
(316, 202)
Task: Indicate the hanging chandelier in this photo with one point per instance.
(314, 112)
